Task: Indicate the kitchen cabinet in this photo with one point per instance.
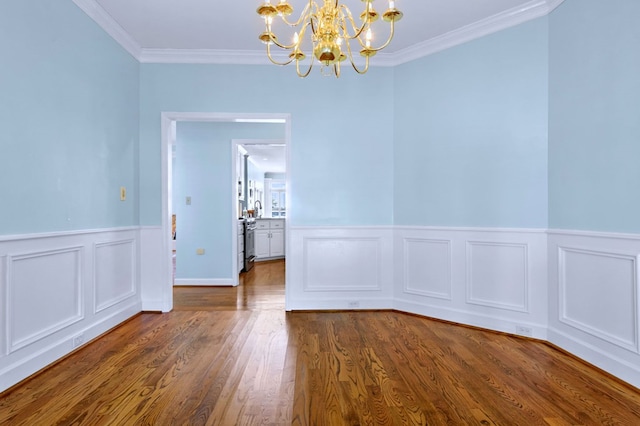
(240, 246)
(270, 239)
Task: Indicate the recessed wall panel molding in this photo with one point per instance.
(342, 263)
(598, 294)
(3, 298)
(114, 272)
(497, 275)
(44, 294)
(427, 267)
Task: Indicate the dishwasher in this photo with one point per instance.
(249, 243)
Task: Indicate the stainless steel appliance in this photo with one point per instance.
(249, 244)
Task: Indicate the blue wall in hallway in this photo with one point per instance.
(69, 118)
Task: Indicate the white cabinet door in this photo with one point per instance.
(262, 243)
(277, 242)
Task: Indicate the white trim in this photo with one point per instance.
(503, 20)
(205, 282)
(597, 234)
(22, 237)
(343, 227)
(471, 229)
(110, 26)
(231, 57)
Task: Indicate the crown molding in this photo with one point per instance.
(110, 26)
(207, 56)
(503, 20)
(507, 19)
(234, 57)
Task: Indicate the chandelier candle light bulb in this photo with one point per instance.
(333, 29)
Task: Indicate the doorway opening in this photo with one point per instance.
(169, 121)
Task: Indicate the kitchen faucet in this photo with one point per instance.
(257, 206)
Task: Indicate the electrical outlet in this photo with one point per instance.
(524, 331)
(353, 304)
(78, 340)
(123, 193)
(200, 251)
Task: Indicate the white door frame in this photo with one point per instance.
(168, 128)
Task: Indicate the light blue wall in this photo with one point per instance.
(342, 133)
(69, 117)
(594, 109)
(471, 133)
(203, 172)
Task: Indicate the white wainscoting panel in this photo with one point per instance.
(54, 299)
(594, 303)
(156, 269)
(490, 278)
(52, 284)
(114, 273)
(497, 275)
(340, 268)
(355, 263)
(427, 267)
(592, 282)
(4, 305)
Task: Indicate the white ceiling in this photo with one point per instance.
(150, 29)
(267, 157)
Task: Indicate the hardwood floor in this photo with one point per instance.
(232, 356)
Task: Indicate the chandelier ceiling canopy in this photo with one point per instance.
(327, 33)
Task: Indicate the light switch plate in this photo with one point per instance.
(188, 201)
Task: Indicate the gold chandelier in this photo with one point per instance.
(331, 29)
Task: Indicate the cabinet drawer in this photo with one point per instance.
(277, 224)
(262, 224)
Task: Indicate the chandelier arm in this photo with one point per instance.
(377, 49)
(273, 61)
(303, 15)
(357, 30)
(353, 64)
(303, 75)
(276, 42)
(366, 66)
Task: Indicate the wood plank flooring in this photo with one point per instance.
(232, 356)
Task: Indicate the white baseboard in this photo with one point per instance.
(203, 282)
(504, 325)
